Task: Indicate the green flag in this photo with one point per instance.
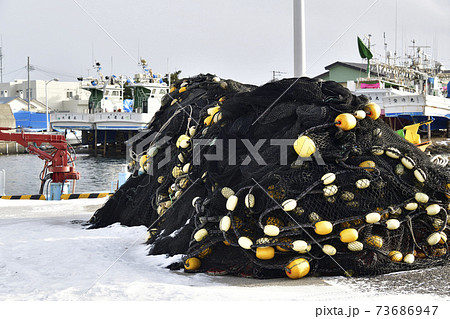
(364, 51)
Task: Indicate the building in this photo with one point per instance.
(18, 104)
(343, 72)
(62, 96)
(7, 120)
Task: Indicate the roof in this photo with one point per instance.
(361, 67)
(6, 100)
(353, 65)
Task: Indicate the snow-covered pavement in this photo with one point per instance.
(46, 254)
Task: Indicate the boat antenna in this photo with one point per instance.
(139, 51)
(92, 53)
(28, 72)
(386, 59)
(168, 72)
(396, 23)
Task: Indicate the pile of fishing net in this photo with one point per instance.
(296, 177)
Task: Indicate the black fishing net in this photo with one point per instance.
(216, 178)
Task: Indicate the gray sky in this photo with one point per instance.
(244, 40)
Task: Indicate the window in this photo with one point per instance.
(144, 106)
(69, 94)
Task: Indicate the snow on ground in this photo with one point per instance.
(47, 254)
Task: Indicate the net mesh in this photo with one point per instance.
(221, 184)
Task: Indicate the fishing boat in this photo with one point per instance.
(408, 94)
(107, 108)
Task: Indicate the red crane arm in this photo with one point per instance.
(61, 165)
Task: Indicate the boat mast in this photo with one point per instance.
(299, 38)
(28, 93)
(396, 23)
(368, 60)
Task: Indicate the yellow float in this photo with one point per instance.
(289, 205)
(422, 198)
(183, 141)
(392, 224)
(355, 246)
(200, 234)
(392, 152)
(192, 263)
(420, 175)
(348, 235)
(245, 242)
(345, 121)
(408, 162)
(368, 165)
(411, 206)
(265, 253)
(328, 178)
(225, 223)
(300, 246)
(329, 250)
(232, 202)
(323, 227)
(360, 114)
(375, 241)
(271, 230)
(373, 218)
(297, 268)
(304, 146)
(373, 110)
(213, 110)
(330, 190)
(249, 200)
(208, 120)
(433, 209)
(226, 192)
(409, 258)
(395, 255)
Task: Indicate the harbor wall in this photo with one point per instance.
(11, 148)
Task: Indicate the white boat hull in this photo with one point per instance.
(417, 105)
(100, 121)
(121, 121)
(72, 121)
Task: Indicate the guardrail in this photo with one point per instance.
(63, 196)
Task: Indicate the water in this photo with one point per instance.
(23, 171)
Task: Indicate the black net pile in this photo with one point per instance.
(220, 183)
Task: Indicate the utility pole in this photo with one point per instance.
(299, 39)
(275, 74)
(1, 60)
(28, 93)
(1, 65)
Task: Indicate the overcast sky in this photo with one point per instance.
(244, 40)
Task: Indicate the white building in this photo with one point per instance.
(17, 104)
(62, 96)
